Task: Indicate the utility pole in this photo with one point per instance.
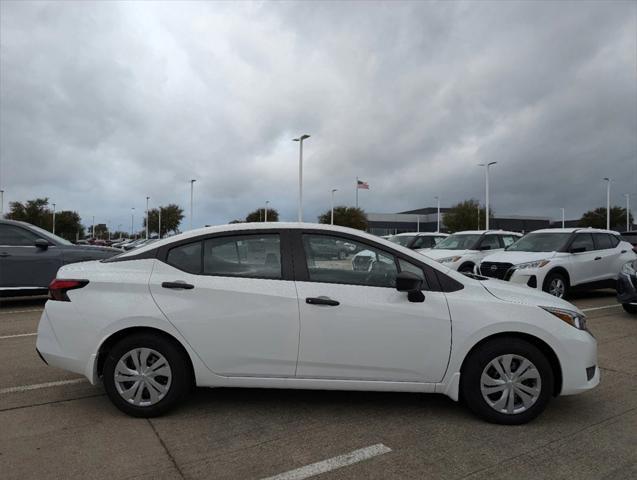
(607, 202)
(159, 227)
(147, 198)
(487, 165)
(562, 217)
(332, 206)
(132, 221)
(438, 217)
(300, 140)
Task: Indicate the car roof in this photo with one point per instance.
(419, 234)
(573, 230)
(480, 232)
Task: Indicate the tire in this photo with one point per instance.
(630, 308)
(156, 352)
(556, 284)
(495, 407)
(466, 267)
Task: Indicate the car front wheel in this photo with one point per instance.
(146, 374)
(556, 285)
(630, 308)
(507, 381)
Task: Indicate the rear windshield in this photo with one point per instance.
(540, 242)
(459, 241)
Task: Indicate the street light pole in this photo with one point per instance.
(1, 203)
(607, 202)
(487, 165)
(192, 182)
(627, 211)
(53, 218)
(562, 217)
(438, 217)
(108, 225)
(93, 228)
(332, 206)
(266, 210)
(300, 140)
(159, 226)
(147, 198)
(132, 221)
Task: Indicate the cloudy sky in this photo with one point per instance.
(104, 103)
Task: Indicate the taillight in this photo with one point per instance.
(59, 287)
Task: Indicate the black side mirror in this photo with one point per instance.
(412, 284)
(577, 250)
(41, 244)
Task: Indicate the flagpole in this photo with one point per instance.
(356, 192)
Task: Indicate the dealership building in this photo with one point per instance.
(425, 220)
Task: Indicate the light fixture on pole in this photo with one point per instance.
(266, 211)
(562, 217)
(192, 182)
(53, 230)
(607, 202)
(300, 140)
(438, 216)
(487, 165)
(332, 206)
(132, 221)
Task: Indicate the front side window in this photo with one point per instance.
(583, 240)
(251, 256)
(13, 236)
(370, 266)
(459, 241)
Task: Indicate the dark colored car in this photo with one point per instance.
(627, 287)
(30, 257)
(630, 237)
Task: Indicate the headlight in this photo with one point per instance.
(535, 264)
(574, 319)
(629, 268)
(449, 259)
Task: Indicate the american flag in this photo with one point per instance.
(361, 184)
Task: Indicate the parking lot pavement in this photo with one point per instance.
(70, 430)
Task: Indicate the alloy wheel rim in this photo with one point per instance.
(142, 377)
(510, 384)
(557, 287)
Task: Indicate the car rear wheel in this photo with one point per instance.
(507, 381)
(630, 308)
(145, 375)
(556, 285)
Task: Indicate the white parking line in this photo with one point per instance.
(37, 386)
(18, 335)
(601, 308)
(333, 463)
(6, 312)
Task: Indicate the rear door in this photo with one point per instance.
(355, 325)
(237, 305)
(22, 264)
(582, 259)
(606, 257)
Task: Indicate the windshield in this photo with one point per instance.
(50, 236)
(459, 241)
(401, 239)
(540, 242)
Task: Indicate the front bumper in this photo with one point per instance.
(627, 288)
(578, 358)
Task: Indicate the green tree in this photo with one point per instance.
(597, 218)
(68, 225)
(259, 215)
(346, 217)
(101, 231)
(464, 216)
(35, 212)
(171, 217)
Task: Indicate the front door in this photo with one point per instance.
(355, 325)
(234, 307)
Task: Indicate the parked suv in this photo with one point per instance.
(31, 256)
(557, 260)
(463, 251)
(417, 240)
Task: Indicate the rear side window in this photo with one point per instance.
(602, 241)
(490, 241)
(186, 257)
(13, 236)
(583, 240)
(250, 256)
(614, 241)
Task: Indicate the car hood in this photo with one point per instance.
(521, 294)
(518, 257)
(437, 254)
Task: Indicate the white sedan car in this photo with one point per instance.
(557, 260)
(251, 305)
(463, 251)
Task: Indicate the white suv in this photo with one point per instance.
(463, 251)
(556, 260)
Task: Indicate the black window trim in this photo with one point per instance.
(432, 275)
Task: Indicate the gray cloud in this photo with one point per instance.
(104, 103)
